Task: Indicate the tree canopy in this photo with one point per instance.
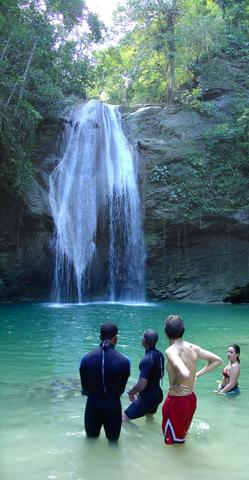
(44, 55)
(160, 42)
(51, 48)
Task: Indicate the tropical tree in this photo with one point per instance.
(235, 12)
(44, 54)
(161, 40)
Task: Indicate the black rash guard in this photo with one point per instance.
(104, 373)
(151, 368)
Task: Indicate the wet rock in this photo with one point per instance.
(238, 295)
(202, 259)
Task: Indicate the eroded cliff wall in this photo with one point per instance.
(197, 245)
(195, 250)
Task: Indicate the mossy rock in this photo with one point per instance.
(238, 295)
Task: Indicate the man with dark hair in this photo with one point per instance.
(148, 385)
(180, 404)
(104, 373)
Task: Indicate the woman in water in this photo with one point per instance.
(229, 383)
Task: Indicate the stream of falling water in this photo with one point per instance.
(92, 189)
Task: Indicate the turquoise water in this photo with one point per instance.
(42, 432)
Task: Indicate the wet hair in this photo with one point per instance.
(150, 336)
(174, 327)
(237, 350)
(108, 331)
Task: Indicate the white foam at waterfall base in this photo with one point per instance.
(96, 181)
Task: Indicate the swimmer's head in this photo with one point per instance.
(108, 330)
(236, 349)
(149, 338)
(174, 327)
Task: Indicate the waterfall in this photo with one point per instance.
(95, 200)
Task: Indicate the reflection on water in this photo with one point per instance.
(42, 433)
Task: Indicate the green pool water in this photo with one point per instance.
(42, 431)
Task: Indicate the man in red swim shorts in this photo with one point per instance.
(180, 404)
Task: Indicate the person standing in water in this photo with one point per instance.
(104, 373)
(229, 384)
(146, 394)
(181, 360)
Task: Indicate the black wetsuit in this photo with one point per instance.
(104, 373)
(152, 369)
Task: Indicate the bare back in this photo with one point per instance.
(179, 383)
(181, 366)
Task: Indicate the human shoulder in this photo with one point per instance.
(145, 360)
(121, 356)
(159, 357)
(235, 367)
(192, 346)
(168, 349)
(85, 360)
(171, 352)
(160, 354)
(91, 354)
(158, 351)
(203, 354)
(178, 349)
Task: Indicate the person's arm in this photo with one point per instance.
(220, 385)
(83, 378)
(125, 376)
(213, 361)
(177, 363)
(234, 375)
(162, 364)
(145, 371)
(139, 387)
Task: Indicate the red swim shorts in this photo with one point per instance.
(177, 416)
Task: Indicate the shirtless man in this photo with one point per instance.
(181, 359)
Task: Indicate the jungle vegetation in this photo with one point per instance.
(158, 51)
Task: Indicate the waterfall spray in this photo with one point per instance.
(96, 181)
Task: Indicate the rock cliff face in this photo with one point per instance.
(190, 256)
(26, 230)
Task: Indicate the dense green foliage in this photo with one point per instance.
(162, 51)
(43, 56)
(161, 40)
(175, 51)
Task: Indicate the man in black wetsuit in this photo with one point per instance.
(104, 373)
(148, 388)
